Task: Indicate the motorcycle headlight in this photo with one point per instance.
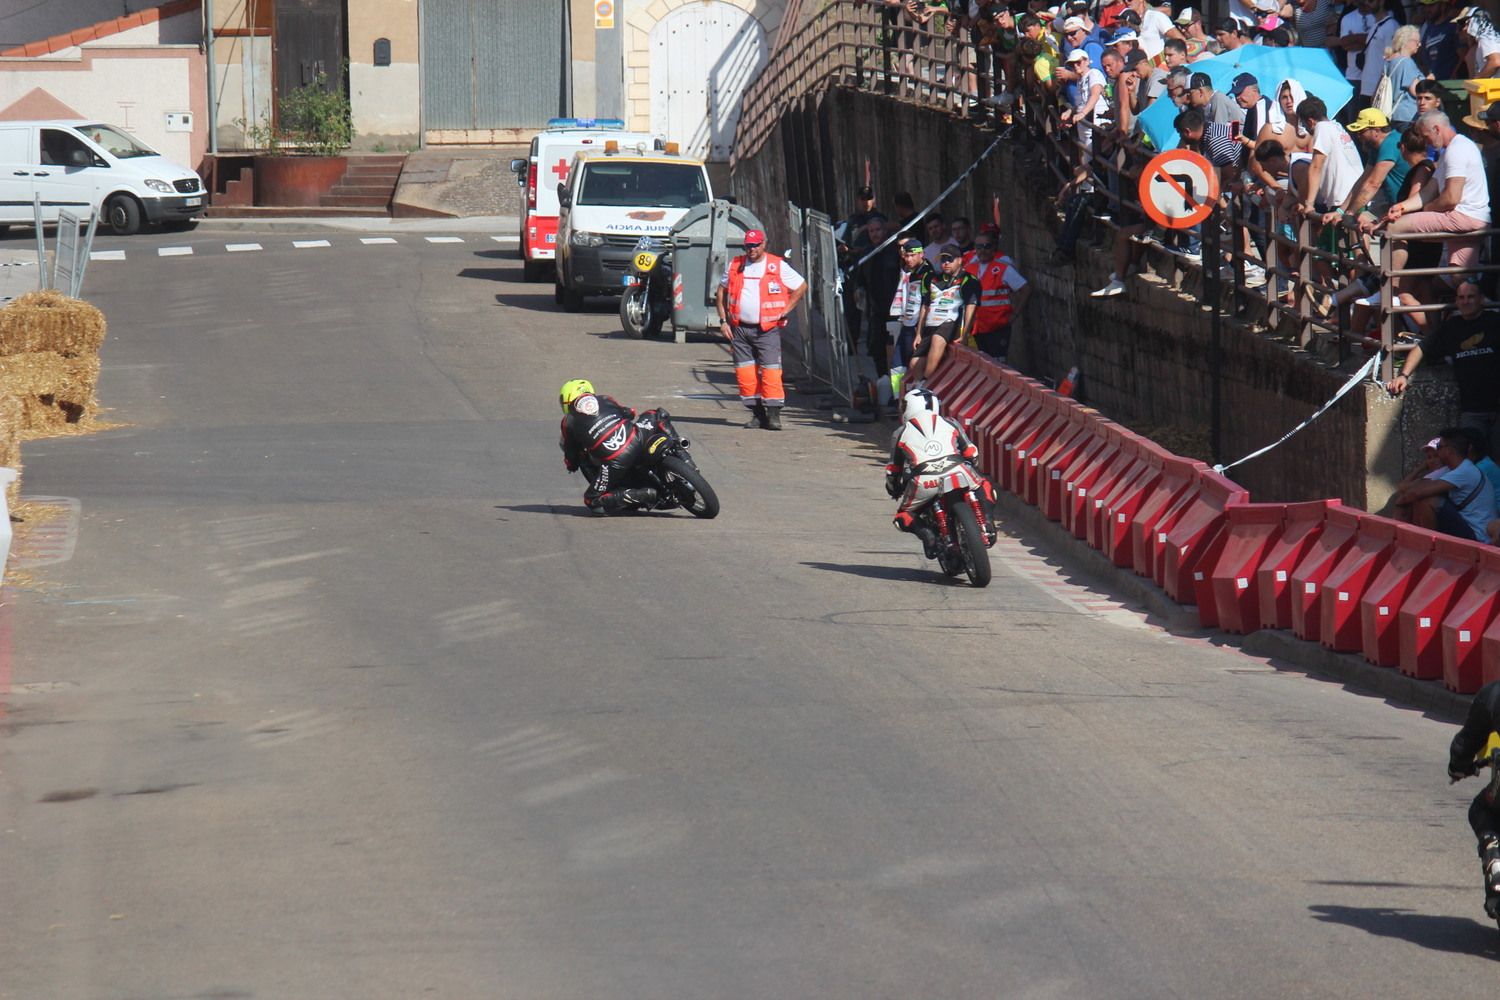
(161, 186)
(586, 239)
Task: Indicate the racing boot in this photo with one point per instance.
(1489, 860)
(644, 497)
(932, 546)
(773, 418)
(757, 416)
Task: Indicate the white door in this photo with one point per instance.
(703, 56)
(17, 160)
(66, 178)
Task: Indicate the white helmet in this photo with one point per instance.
(920, 402)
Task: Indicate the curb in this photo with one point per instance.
(1283, 649)
(479, 225)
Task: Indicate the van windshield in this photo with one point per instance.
(121, 145)
(626, 184)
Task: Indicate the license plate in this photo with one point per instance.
(192, 202)
(627, 280)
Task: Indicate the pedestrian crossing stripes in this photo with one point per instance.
(309, 244)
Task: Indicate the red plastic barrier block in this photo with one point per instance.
(957, 362)
(1078, 433)
(1024, 440)
(1150, 533)
(1302, 523)
(1112, 524)
(970, 393)
(1347, 582)
(1340, 527)
(1189, 542)
(1079, 474)
(1023, 420)
(1229, 586)
(1199, 592)
(1411, 550)
(990, 422)
(1454, 563)
(1477, 607)
(1085, 498)
(1047, 439)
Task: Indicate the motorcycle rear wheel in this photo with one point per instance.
(689, 487)
(975, 554)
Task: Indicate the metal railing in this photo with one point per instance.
(869, 45)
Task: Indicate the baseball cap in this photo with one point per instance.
(1372, 118)
(989, 229)
(910, 246)
(1464, 14)
(1126, 35)
(1135, 57)
(1266, 5)
(1128, 16)
(1433, 444)
(1240, 83)
(1187, 15)
(1077, 55)
(1074, 24)
(866, 192)
(754, 238)
(1201, 81)
(950, 253)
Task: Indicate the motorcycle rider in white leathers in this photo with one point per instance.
(927, 444)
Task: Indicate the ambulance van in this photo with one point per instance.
(612, 198)
(551, 157)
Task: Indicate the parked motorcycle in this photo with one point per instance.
(960, 518)
(667, 466)
(647, 300)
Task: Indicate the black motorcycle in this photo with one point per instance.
(667, 467)
(646, 304)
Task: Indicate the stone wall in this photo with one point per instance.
(1144, 356)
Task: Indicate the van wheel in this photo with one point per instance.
(123, 214)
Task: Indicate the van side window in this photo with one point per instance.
(58, 148)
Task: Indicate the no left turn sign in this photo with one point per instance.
(1179, 189)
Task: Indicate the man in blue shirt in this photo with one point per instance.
(1459, 502)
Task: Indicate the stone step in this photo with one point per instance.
(379, 201)
(371, 190)
(292, 212)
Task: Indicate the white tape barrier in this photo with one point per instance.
(7, 476)
(934, 203)
(1368, 371)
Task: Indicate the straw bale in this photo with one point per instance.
(11, 413)
(50, 321)
(53, 390)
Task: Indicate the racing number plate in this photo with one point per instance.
(644, 262)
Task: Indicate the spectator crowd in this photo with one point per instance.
(1384, 179)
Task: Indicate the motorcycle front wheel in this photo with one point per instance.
(637, 317)
(971, 546)
(689, 487)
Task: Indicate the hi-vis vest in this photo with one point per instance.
(945, 304)
(774, 297)
(994, 296)
(908, 299)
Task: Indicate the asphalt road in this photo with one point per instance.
(340, 693)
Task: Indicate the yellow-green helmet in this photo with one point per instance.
(572, 389)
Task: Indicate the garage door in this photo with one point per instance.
(492, 63)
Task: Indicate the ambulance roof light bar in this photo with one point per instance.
(611, 147)
(596, 123)
(671, 149)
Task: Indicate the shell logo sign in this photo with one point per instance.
(604, 14)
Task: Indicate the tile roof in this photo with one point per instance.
(103, 29)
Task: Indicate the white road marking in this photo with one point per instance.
(107, 255)
(367, 240)
(445, 239)
(174, 251)
(306, 244)
(506, 239)
(242, 247)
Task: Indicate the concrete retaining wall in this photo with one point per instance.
(1144, 355)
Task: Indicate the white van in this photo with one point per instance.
(83, 165)
(611, 200)
(550, 159)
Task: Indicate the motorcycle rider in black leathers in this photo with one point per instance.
(600, 437)
(1484, 812)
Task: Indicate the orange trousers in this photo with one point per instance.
(757, 365)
